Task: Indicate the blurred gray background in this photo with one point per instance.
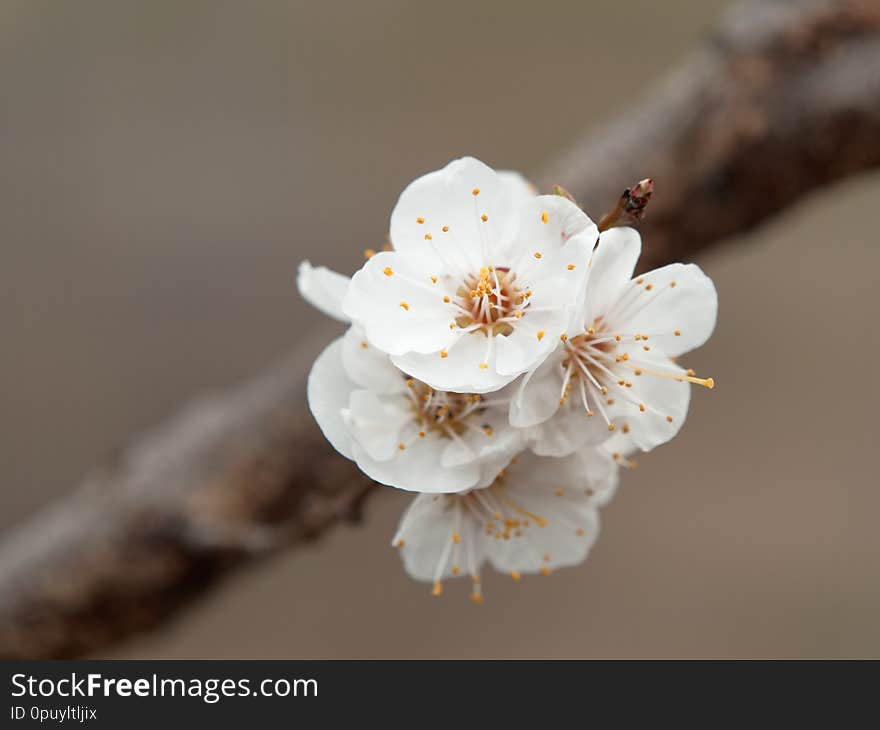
(163, 168)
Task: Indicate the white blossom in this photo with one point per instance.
(400, 431)
(538, 515)
(617, 368)
(482, 281)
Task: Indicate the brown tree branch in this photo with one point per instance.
(784, 99)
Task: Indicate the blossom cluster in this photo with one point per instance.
(503, 362)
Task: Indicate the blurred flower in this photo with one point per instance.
(538, 515)
(402, 432)
(618, 368)
(482, 280)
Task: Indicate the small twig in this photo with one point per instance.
(630, 207)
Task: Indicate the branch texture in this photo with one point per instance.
(785, 98)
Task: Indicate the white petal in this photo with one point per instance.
(396, 302)
(368, 367)
(323, 289)
(446, 198)
(664, 397)
(328, 391)
(376, 423)
(555, 499)
(537, 396)
(570, 430)
(690, 307)
(460, 370)
(425, 539)
(548, 221)
(416, 468)
(611, 270)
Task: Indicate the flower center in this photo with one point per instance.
(595, 365)
(491, 302)
(443, 413)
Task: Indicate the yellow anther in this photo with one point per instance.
(648, 287)
(540, 334)
(420, 220)
(672, 284)
(405, 306)
(677, 333)
(669, 419)
(484, 366)
(434, 279)
(610, 426)
(437, 590)
(455, 570)
(422, 434)
(642, 407)
(452, 325)
(402, 447)
(537, 254)
(488, 430)
(484, 217)
(401, 543)
(477, 598)
(445, 229)
(617, 337)
(591, 330)
(545, 570)
(563, 337)
(475, 579)
(570, 267)
(456, 538)
(364, 344)
(475, 191)
(639, 280)
(369, 253)
(646, 347)
(559, 492)
(517, 314)
(637, 371)
(515, 575)
(388, 271)
(428, 236)
(625, 428)
(545, 216)
(446, 300)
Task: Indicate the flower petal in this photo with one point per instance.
(377, 423)
(455, 198)
(425, 538)
(547, 222)
(368, 367)
(328, 391)
(611, 270)
(555, 499)
(401, 309)
(415, 469)
(570, 430)
(666, 400)
(323, 289)
(460, 370)
(684, 301)
(536, 397)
